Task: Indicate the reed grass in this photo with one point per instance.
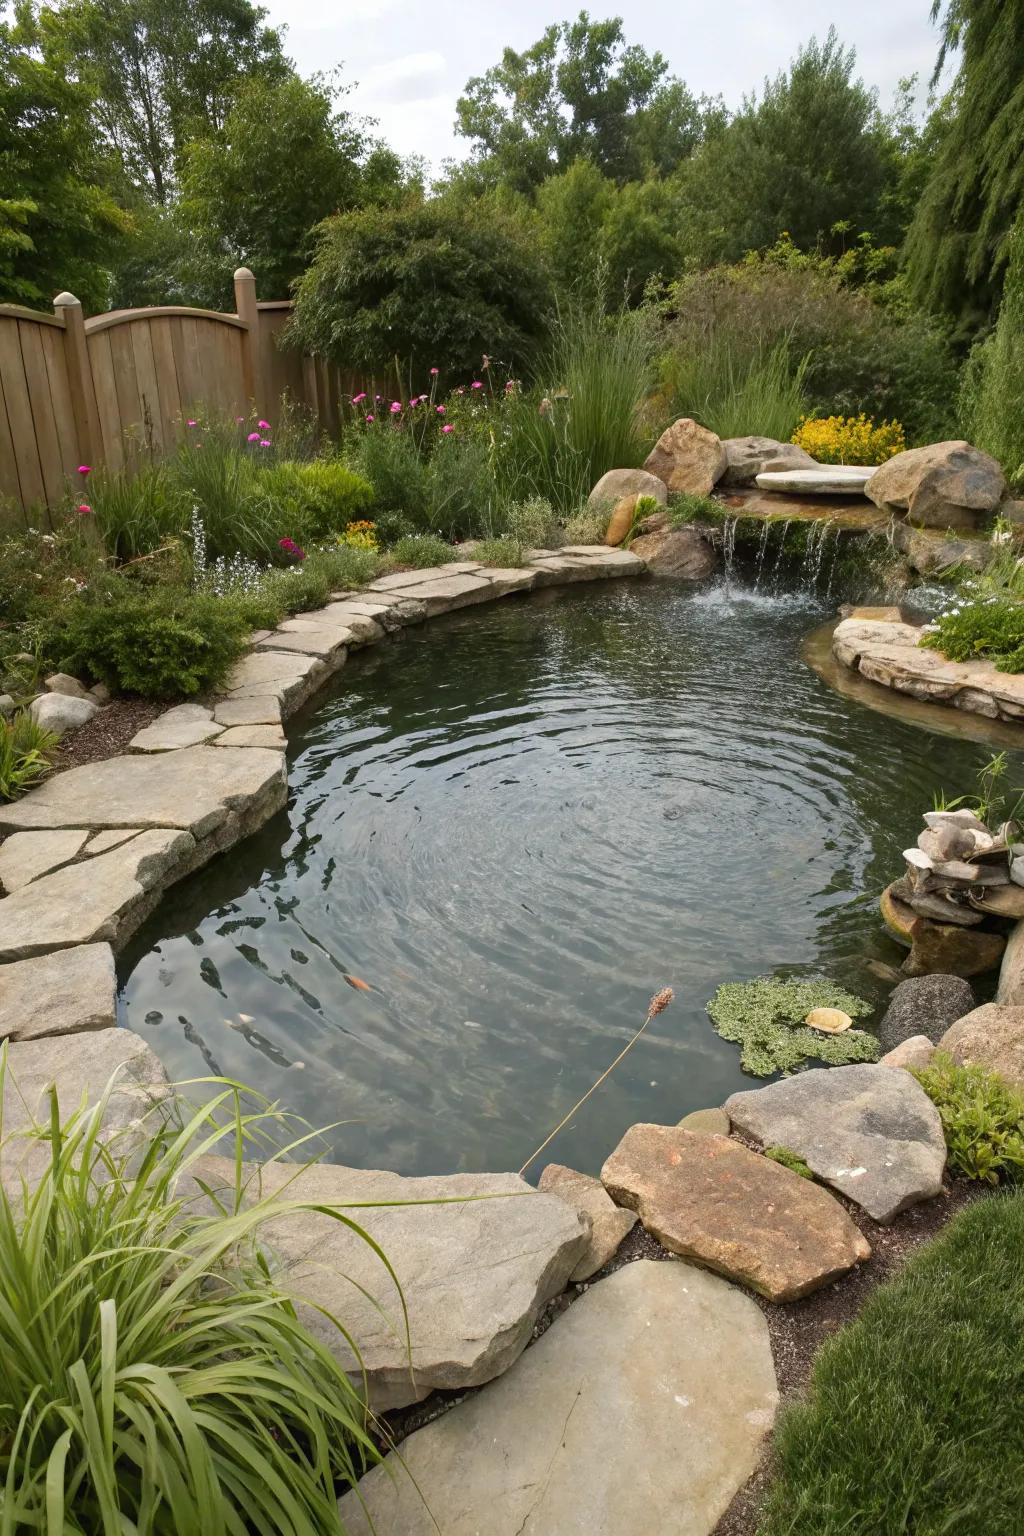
(735, 393)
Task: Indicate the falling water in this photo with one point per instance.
(773, 582)
(761, 549)
(729, 548)
(817, 538)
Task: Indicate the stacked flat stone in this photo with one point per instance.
(962, 872)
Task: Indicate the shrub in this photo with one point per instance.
(25, 750)
(500, 552)
(390, 460)
(162, 643)
(982, 1119)
(849, 439)
(734, 392)
(588, 525)
(977, 625)
(421, 549)
(684, 508)
(790, 1160)
(157, 1379)
(317, 499)
(766, 1019)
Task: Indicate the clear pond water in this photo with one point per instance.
(513, 826)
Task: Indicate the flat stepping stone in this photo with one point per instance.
(360, 628)
(253, 736)
(642, 1409)
(58, 994)
(329, 643)
(991, 1037)
(609, 1224)
(828, 480)
(871, 1133)
(507, 579)
(187, 725)
(259, 710)
(196, 789)
(292, 679)
(475, 1273)
(27, 855)
(444, 593)
(713, 1200)
(891, 655)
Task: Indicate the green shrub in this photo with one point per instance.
(421, 549)
(25, 751)
(977, 625)
(390, 460)
(532, 523)
(789, 1160)
(587, 525)
(982, 1119)
(766, 1019)
(316, 499)
(162, 643)
(684, 508)
(737, 391)
(157, 1379)
(501, 552)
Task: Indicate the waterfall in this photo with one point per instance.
(817, 537)
(729, 548)
(773, 582)
(761, 548)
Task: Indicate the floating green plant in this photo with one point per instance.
(765, 1018)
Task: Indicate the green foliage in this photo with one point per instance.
(766, 1019)
(157, 1377)
(683, 509)
(437, 284)
(980, 626)
(982, 1119)
(737, 393)
(25, 751)
(421, 549)
(789, 1160)
(162, 642)
(316, 499)
(501, 552)
(992, 395)
(912, 1420)
(136, 511)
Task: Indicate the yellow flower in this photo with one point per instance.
(359, 535)
(849, 439)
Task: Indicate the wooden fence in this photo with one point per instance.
(105, 390)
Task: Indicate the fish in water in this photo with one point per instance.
(357, 982)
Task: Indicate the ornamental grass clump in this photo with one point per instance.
(157, 1380)
(26, 750)
(765, 1018)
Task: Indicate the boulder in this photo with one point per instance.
(991, 1037)
(924, 1005)
(7, 705)
(641, 1409)
(951, 950)
(1011, 972)
(58, 994)
(63, 682)
(676, 552)
(609, 1224)
(748, 457)
(713, 1200)
(475, 1271)
(912, 1053)
(930, 552)
(688, 458)
(871, 1133)
(621, 520)
(945, 485)
(62, 712)
(617, 483)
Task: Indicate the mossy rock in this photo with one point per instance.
(897, 917)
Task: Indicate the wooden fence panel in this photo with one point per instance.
(20, 415)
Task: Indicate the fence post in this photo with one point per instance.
(248, 312)
(83, 393)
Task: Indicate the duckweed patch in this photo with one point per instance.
(765, 1018)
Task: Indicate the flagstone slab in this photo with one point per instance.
(290, 678)
(260, 709)
(642, 1409)
(360, 627)
(195, 789)
(891, 654)
(253, 736)
(102, 842)
(330, 643)
(58, 994)
(871, 1133)
(711, 1199)
(475, 1271)
(505, 580)
(187, 725)
(26, 855)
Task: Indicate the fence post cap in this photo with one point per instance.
(244, 274)
(65, 300)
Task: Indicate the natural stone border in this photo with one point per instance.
(891, 654)
(87, 856)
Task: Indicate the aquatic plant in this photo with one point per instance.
(765, 1018)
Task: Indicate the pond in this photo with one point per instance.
(505, 831)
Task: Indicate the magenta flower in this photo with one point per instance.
(434, 372)
(264, 442)
(370, 416)
(396, 406)
(357, 399)
(447, 427)
(476, 384)
(239, 420)
(264, 426)
(83, 469)
(82, 508)
(190, 423)
(439, 409)
(253, 437)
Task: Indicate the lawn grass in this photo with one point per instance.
(913, 1425)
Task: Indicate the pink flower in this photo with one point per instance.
(264, 426)
(378, 397)
(510, 386)
(434, 372)
(356, 399)
(239, 420)
(447, 427)
(83, 469)
(82, 508)
(370, 416)
(264, 442)
(439, 409)
(190, 423)
(253, 437)
(396, 406)
(476, 384)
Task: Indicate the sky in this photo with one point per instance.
(411, 59)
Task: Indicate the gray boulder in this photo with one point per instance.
(748, 457)
(944, 485)
(63, 682)
(62, 712)
(871, 1133)
(924, 1005)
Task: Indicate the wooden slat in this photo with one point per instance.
(19, 414)
(149, 389)
(188, 363)
(106, 400)
(63, 405)
(167, 378)
(126, 383)
(47, 442)
(10, 485)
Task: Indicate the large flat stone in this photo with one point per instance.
(475, 1272)
(990, 1037)
(713, 1200)
(253, 736)
(330, 643)
(262, 709)
(195, 789)
(871, 1133)
(822, 480)
(507, 579)
(609, 1223)
(891, 654)
(187, 725)
(641, 1410)
(27, 855)
(290, 678)
(443, 594)
(58, 994)
(360, 627)
(101, 899)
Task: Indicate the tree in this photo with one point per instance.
(161, 72)
(579, 92)
(283, 161)
(436, 284)
(599, 235)
(59, 223)
(957, 246)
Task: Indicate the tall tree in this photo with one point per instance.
(957, 246)
(161, 72)
(579, 92)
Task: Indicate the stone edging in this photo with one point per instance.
(891, 654)
(86, 857)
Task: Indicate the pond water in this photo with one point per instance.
(515, 825)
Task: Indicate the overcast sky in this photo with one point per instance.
(412, 59)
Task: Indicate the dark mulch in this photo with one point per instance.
(106, 734)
